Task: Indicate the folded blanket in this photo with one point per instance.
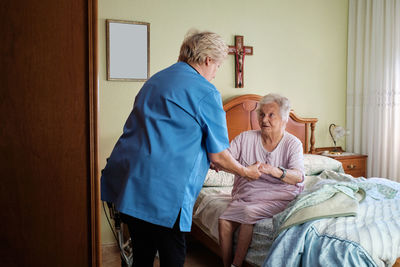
(324, 198)
(330, 194)
(338, 205)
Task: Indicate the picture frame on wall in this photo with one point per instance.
(128, 50)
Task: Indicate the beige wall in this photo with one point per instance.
(299, 51)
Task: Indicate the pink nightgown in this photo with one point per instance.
(263, 198)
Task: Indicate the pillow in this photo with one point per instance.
(315, 164)
(220, 178)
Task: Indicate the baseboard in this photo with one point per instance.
(109, 248)
(110, 254)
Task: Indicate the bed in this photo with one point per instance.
(371, 213)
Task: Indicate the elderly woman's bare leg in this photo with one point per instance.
(244, 239)
(226, 230)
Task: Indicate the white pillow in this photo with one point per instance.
(220, 178)
(315, 164)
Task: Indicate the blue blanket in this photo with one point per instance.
(302, 245)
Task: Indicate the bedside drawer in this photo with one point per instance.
(353, 163)
(355, 166)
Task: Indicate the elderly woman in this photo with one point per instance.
(158, 166)
(281, 155)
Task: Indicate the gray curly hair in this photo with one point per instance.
(283, 103)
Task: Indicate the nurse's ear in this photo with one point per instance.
(208, 60)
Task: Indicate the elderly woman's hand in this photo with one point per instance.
(266, 168)
(292, 176)
(253, 172)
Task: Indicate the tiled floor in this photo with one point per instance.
(197, 256)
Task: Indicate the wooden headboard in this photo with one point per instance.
(241, 116)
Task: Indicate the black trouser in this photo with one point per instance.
(149, 238)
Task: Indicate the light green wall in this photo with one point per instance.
(299, 51)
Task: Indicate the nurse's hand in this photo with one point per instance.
(214, 167)
(252, 172)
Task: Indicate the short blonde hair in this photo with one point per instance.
(283, 103)
(198, 45)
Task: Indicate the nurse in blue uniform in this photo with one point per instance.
(177, 128)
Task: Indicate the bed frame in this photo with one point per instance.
(241, 116)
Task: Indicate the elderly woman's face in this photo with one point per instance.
(269, 118)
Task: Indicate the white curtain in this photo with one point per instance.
(373, 85)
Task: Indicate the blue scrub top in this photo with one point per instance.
(159, 164)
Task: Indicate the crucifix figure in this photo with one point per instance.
(239, 50)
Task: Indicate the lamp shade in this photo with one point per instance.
(337, 132)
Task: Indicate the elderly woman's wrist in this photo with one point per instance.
(243, 171)
(281, 173)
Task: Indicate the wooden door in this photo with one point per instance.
(48, 133)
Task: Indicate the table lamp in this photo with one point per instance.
(337, 132)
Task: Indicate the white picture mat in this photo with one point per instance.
(128, 51)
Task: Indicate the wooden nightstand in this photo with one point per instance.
(353, 164)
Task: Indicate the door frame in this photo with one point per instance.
(94, 215)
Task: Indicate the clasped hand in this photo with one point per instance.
(257, 169)
(252, 172)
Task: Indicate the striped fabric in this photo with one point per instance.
(376, 227)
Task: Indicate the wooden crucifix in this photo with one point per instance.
(240, 51)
